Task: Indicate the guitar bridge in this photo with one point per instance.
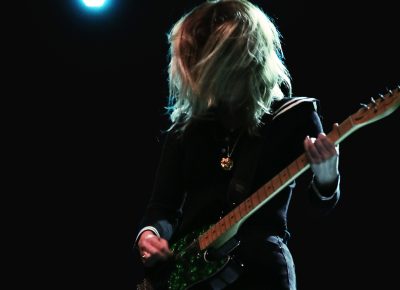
(216, 254)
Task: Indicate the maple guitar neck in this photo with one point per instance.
(228, 226)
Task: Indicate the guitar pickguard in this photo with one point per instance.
(191, 266)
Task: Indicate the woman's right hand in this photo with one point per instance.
(152, 248)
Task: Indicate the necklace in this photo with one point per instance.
(227, 162)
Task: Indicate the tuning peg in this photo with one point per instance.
(382, 97)
(374, 104)
(364, 106)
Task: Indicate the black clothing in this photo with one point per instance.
(190, 188)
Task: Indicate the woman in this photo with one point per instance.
(234, 126)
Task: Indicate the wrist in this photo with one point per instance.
(148, 230)
(326, 191)
(146, 234)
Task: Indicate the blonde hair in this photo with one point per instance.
(225, 53)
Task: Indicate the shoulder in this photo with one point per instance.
(294, 104)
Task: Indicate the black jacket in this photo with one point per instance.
(191, 189)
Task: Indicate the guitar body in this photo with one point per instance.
(191, 268)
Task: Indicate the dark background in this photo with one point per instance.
(94, 94)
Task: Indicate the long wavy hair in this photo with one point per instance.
(227, 54)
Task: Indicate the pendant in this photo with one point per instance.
(226, 163)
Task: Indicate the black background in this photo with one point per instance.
(94, 90)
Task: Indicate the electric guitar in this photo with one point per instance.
(203, 259)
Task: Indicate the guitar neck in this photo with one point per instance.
(227, 227)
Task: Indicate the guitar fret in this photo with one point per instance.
(227, 222)
(271, 184)
(204, 240)
(279, 175)
(284, 174)
(218, 231)
(260, 195)
(267, 190)
(301, 161)
(254, 199)
(334, 135)
(264, 191)
(345, 126)
(232, 218)
(292, 169)
(243, 209)
(214, 232)
(276, 182)
(249, 204)
(211, 234)
(222, 226)
(296, 163)
(238, 216)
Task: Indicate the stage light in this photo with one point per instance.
(94, 3)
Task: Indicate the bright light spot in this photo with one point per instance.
(94, 3)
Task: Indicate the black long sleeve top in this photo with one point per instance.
(191, 189)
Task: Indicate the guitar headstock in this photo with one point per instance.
(377, 108)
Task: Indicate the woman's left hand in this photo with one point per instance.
(323, 156)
